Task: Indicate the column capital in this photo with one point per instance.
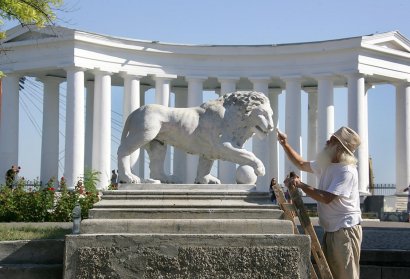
(353, 74)
(160, 77)
(98, 71)
(310, 89)
(126, 74)
(291, 79)
(74, 68)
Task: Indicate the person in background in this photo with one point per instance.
(271, 190)
(338, 199)
(11, 176)
(114, 177)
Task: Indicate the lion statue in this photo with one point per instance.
(215, 130)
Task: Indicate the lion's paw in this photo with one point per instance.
(130, 178)
(151, 181)
(207, 179)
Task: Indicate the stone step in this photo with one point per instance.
(185, 213)
(189, 187)
(126, 195)
(186, 226)
(185, 203)
(184, 196)
(179, 193)
(31, 271)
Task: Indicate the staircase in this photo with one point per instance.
(186, 231)
(185, 208)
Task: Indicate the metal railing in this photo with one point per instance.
(388, 189)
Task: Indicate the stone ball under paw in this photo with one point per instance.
(245, 175)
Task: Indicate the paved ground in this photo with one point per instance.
(380, 235)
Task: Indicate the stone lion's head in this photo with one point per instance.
(246, 113)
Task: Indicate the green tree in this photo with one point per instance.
(38, 12)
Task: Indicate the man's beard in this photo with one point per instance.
(324, 158)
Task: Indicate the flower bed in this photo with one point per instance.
(46, 204)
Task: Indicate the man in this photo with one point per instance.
(338, 199)
(114, 177)
(272, 190)
(11, 176)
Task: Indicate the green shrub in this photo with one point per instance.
(47, 204)
(64, 205)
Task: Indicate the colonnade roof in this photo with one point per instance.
(383, 58)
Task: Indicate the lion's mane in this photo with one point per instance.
(243, 101)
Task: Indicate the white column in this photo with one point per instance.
(402, 136)
(273, 140)
(260, 147)
(326, 111)
(366, 131)
(162, 91)
(312, 130)
(74, 135)
(180, 157)
(102, 128)
(227, 170)
(9, 126)
(141, 157)
(194, 98)
(293, 123)
(89, 115)
(357, 121)
(131, 102)
(50, 135)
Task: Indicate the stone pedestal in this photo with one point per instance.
(186, 231)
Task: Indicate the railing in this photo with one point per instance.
(388, 189)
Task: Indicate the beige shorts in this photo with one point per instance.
(342, 252)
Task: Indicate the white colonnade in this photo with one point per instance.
(320, 123)
(99, 62)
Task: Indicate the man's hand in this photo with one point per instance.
(282, 138)
(292, 181)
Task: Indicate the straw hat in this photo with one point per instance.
(349, 139)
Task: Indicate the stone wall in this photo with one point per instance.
(187, 256)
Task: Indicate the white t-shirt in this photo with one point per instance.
(342, 181)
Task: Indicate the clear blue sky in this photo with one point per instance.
(244, 22)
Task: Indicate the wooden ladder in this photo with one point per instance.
(297, 208)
